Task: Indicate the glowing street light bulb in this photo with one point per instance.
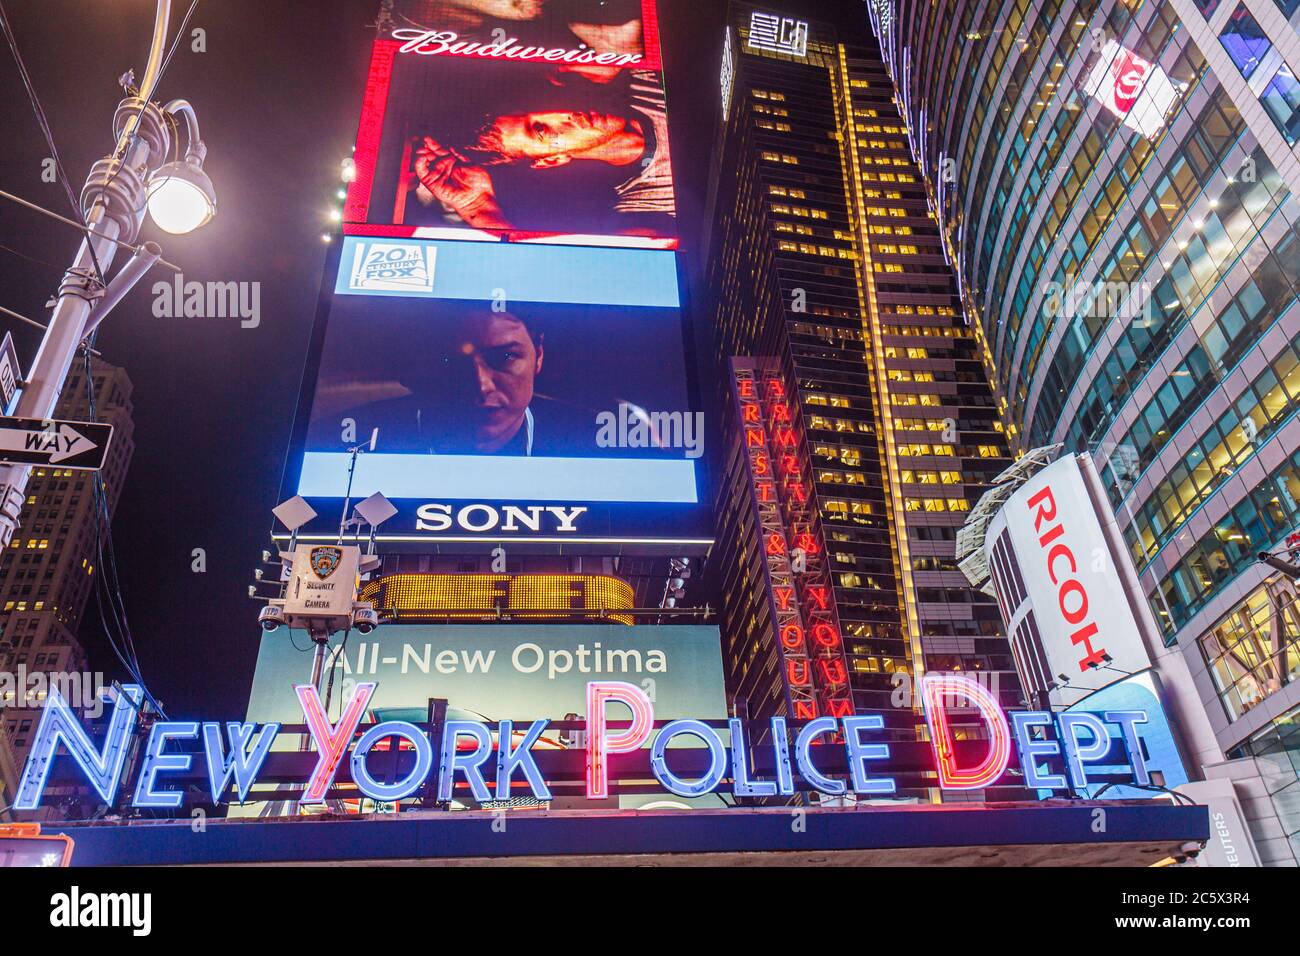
(181, 198)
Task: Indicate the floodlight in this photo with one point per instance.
(294, 513)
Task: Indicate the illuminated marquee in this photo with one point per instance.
(468, 750)
(808, 636)
(478, 597)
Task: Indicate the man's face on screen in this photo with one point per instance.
(554, 139)
(485, 380)
(504, 9)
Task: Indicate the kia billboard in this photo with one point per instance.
(490, 673)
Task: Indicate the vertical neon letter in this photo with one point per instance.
(599, 744)
(470, 762)
(934, 688)
(742, 785)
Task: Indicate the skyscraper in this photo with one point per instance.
(47, 574)
(1116, 183)
(857, 423)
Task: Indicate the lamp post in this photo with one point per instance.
(135, 177)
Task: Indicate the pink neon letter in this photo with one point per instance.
(599, 746)
(331, 741)
(934, 688)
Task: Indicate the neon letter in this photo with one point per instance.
(1075, 755)
(239, 762)
(859, 753)
(934, 687)
(386, 792)
(155, 761)
(1024, 722)
(331, 740)
(471, 762)
(781, 747)
(1128, 721)
(600, 744)
(58, 725)
(510, 758)
(717, 758)
(742, 785)
(811, 731)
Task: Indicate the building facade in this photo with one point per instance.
(1115, 182)
(857, 426)
(48, 573)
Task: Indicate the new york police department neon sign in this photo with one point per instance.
(237, 755)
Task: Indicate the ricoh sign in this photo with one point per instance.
(1060, 588)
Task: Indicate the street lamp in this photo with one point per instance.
(179, 197)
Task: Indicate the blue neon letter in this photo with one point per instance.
(511, 758)
(239, 762)
(471, 762)
(742, 785)
(1075, 755)
(155, 761)
(860, 753)
(717, 754)
(58, 725)
(1128, 721)
(386, 792)
(1023, 723)
(811, 731)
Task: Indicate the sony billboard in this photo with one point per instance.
(1069, 618)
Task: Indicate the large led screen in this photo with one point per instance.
(476, 399)
(527, 121)
(504, 304)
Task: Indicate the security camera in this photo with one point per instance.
(365, 619)
(270, 617)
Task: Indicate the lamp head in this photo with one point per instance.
(181, 197)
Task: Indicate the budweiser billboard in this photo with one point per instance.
(1071, 624)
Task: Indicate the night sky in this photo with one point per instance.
(278, 94)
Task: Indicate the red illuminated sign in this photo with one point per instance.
(807, 626)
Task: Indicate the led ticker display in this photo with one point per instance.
(528, 122)
(478, 597)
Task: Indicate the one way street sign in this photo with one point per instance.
(31, 441)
